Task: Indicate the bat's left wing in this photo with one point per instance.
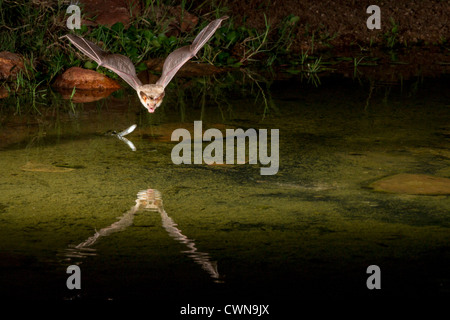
(179, 57)
(117, 63)
(89, 48)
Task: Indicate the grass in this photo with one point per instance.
(314, 67)
(145, 38)
(303, 57)
(33, 30)
(46, 56)
(391, 36)
(356, 63)
(233, 45)
(255, 44)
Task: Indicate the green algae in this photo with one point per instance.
(315, 224)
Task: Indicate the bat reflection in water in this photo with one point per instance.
(121, 135)
(147, 200)
(150, 95)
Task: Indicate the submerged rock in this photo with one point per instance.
(413, 184)
(10, 65)
(84, 79)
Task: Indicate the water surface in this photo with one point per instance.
(141, 227)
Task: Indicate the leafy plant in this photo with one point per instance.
(315, 66)
(391, 36)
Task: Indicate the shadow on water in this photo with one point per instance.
(314, 226)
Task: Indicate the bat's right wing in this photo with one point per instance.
(179, 57)
(117, 63)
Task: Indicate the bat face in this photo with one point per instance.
(151, 96)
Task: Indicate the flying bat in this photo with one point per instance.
(150, 95)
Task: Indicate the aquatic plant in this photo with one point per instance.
(315, 66)
(303, 57)
(391, 36)
(356, 62)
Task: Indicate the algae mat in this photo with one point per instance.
(413, 184)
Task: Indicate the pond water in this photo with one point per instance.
(141, 227)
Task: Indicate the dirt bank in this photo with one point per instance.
(322, 24)
(413, 39)
(419, 22)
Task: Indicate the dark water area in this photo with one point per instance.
(143, 228)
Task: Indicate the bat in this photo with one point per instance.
(150, 95)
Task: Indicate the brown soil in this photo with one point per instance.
(340, 29)
(419, 21)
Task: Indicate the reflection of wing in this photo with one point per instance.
(152, 200)
(179, 57)
(128, 142)
(117, 63)
(127, 131)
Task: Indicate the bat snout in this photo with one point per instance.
(154, 103)
(151, 107)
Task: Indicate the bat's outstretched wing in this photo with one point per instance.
(117, 63)
(179, 57)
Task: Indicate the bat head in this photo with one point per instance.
(151, 96)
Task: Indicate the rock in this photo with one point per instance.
(82, 96)
(413, 184)
(148, 77)
(109, 18)
(84, 79)
(10, 65)
(155, 64)
(109, 12)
